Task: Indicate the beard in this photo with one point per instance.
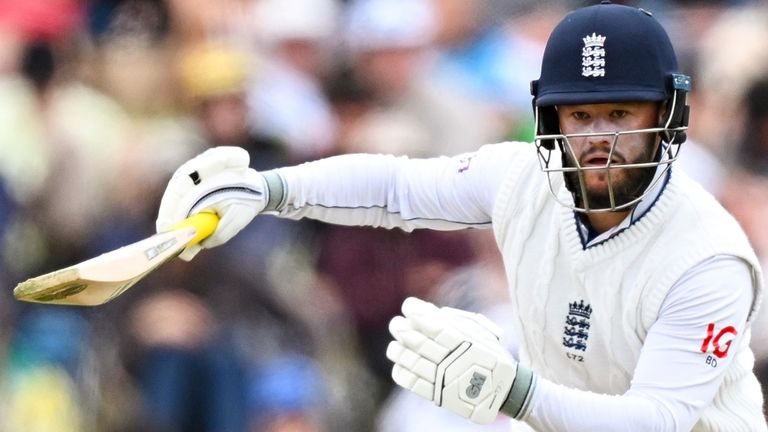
(627, 184)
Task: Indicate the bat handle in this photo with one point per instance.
(204, 223)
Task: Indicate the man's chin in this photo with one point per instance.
(598, 189)
(600, 199)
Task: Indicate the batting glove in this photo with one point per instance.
(455, 359)
(219, 181)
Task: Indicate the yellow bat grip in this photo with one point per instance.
(204, 223)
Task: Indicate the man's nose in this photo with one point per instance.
(601, 133)
(600, 138)
(601, 128)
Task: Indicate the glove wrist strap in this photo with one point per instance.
(519, 398)
(275, 190)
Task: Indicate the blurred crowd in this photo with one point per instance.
(285, 328)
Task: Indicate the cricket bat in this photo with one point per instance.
(100, 279)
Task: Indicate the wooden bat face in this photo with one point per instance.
(100, 279)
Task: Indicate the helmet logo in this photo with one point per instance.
(593, 56)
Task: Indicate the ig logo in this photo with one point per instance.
(721, 342)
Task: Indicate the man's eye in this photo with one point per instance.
(580, 115)
(619, 114)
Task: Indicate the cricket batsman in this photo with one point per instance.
(633, 289)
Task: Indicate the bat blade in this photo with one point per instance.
(100, 279)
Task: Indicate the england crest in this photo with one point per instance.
(576, 331)
(593, 56)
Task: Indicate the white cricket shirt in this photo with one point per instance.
(669, 389)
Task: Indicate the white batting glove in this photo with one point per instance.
(455, 359)
(217, 180)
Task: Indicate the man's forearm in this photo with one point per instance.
(369, 190)
(557, 408)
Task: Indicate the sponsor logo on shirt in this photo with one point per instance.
(464, 163)
(719, 340)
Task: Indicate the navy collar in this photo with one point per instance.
(589, 237)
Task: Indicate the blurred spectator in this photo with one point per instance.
(214, 81)
(51, 21)
(372, 270)
(61, 138)
(492, 58)
(724, 73)
(747, 184)
(134, 63)
(188, 376)
(352, 100)
(744, 195)
(752, 151)
(377, 269)
(285, 396)
(286, 99)
(204, 355)
(703, 166)
(42, 373)
(82, 133)
(389, 45)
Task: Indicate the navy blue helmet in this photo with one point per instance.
(607, 53)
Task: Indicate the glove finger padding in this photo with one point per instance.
(413, 307)
(191, 173)
(212, 162)
(495, 332)
(402, 330)
(408, 380)
(419, 366)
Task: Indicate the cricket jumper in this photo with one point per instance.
(679, 277)
(584, 313)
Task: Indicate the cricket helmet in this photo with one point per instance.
(608, 53)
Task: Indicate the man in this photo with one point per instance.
(633, 289)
